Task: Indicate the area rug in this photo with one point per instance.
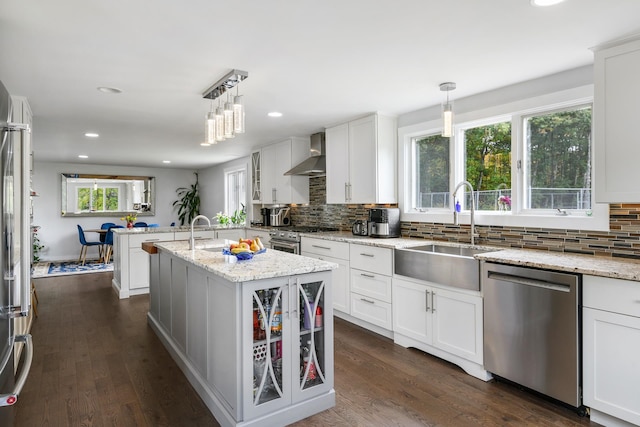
(50, 269)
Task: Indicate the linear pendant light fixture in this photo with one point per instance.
(447, 110)
(211, 127)
(229, 120)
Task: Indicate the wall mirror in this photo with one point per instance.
(107, 195)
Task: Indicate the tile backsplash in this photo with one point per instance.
(623, 239)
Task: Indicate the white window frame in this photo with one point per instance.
(227, 173)
(597, 221)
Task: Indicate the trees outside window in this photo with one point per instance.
(432, 166)
(488, 163)
(559, 160)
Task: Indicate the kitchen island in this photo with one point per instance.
(254, 337)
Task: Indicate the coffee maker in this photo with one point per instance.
(384, 222)
(266, 216)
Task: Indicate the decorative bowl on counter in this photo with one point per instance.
(243, 255)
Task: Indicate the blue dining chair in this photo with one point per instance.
(108, 243)
(105, 226)
(140, 224)
(85, 246)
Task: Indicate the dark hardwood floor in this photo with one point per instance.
(97, 363)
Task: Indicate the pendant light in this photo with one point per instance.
(228, 118)
(211, 127)
(219, 123)
(238, 113)
(447, 110)
(227, 121)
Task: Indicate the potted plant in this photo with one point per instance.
(189, 202)
(239, 216)
(37, 247)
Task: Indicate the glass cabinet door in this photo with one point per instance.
(313, 356)
(255, 177)
(267, 344)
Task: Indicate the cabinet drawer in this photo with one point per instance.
(325, 247)
(615, 295)
(371, 258)
(371, 285)
(371, 310)
(135, 240)
(197, 234)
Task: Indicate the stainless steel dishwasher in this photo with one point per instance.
(532, 329)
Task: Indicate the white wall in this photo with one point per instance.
(212, 187)
(564, 80)
(59, 234)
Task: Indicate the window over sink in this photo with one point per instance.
(530, 163)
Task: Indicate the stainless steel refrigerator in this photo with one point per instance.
(15, 254)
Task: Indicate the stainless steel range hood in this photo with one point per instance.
(316, 164)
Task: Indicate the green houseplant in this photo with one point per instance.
(188, 203)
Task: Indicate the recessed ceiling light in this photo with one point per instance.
(205, 144)
(83, 156)
(166, 161)
(91, 135)
(543, 3)
(105, 89)
(274, 114)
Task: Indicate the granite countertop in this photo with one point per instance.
(148, 230)
(263, 266)
(574, 263)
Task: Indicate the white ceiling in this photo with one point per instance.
(318, 62)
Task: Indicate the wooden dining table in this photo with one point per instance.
(101, 232)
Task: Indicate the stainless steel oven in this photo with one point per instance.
(286, 246)
(287, 239)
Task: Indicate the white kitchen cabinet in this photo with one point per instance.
(197, 234)
(611, 349)
(258, 352)
(256, 175)
(440, 321)
(275, 160)
(231, 234)
(337, 252)
(616, 103)
(361, 161)
(304, 372)
(370, 277)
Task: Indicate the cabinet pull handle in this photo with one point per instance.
(273, 194)
(346, 191)
(350, 192)
(368, 255)
(368, 301)
(426, 300)
(433, 301)
(321, 247)
(155, 240)
(370, 276)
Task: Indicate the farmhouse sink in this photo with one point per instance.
(441, 264)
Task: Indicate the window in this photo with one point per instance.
(236, 196)
(432, 159)
(559, 160)
(529, 162)
(96, 199)
(488, 165)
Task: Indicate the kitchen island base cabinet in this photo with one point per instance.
(258, 352)
(439, 321)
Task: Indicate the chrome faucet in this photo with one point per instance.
(192, 242)
(473, 209)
